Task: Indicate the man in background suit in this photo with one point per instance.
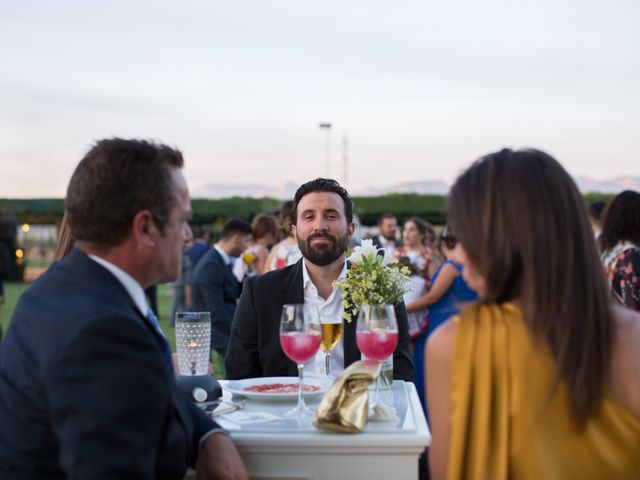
(214, 287)
(87, 388)
(322, 224)
(388, 226)
(200, 246)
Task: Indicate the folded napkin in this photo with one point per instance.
(345, 406)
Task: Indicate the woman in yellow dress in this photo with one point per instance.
(541, 378)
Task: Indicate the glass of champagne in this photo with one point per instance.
(377, 335)
(300, 339)
(331, 332)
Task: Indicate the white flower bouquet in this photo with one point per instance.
(374, 277)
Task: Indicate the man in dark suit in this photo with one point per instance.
(388, 227)
(200, 246)
(87, 387)
(322, 224)
(214, 287)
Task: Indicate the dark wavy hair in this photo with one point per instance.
(115, 180)
(621, 220)
(322, 185)
(524, 225)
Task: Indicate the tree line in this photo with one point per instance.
(215, 211)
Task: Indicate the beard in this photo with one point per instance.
(323, 254)
(389, 236)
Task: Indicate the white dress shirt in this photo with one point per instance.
(388, 245)
(331, 306)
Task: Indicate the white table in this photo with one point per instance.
(286, 450)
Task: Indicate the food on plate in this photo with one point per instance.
(281, 388)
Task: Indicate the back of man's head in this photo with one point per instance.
(114, 181)
(235, 226)
(323, 185)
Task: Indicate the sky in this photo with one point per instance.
(419, 88)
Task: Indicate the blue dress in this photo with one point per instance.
(448, 305)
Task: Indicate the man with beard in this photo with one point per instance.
(388, 225)
(322, 224)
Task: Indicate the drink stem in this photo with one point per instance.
(301, 404)
(327, 358)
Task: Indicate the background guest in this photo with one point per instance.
(414, 234)
(388, 226)
(199, 247)
(447, 293)
(214, 286)
(540, 379)
(253, 260)
(181, 297)
(595, 216)
(286, 251)
(620, 247)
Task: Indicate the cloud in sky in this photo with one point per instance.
(422, 89)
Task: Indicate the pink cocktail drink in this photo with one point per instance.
(300, 347)
(377, 345)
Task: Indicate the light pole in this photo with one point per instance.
(327, 158)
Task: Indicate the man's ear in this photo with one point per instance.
(144, 228)
(294, 231)
(351, 228)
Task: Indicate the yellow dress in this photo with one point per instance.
(505, 425)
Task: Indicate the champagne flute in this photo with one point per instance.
(377, 335)
(331, 333)
(300, 339)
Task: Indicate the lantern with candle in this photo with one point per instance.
(193, 340)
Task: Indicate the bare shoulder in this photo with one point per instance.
(440, 343)
(625, 365)
(627, 336)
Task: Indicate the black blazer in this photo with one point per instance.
(376, 242)
(254, 349)
(84, 388)
(215, 289)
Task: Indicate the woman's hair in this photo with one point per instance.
(264, 224)
(447, 238)
(421, 226)
(431, 238)
(284, 215)
(621, 220)
(406, 262)
(525, 229)
(65, 242)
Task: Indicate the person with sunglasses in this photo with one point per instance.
(447, 293)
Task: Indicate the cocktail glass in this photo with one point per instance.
(377, 335)
(300, 339)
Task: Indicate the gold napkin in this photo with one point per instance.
(345, 406)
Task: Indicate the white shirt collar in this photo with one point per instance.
(133, 288)
(222, 253)
(306, 279)
(386, 243)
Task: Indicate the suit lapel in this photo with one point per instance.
(351, 351)
(224, 267)
(292, 289)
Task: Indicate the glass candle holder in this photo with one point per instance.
(193, 341)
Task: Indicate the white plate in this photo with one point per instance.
(237, 387)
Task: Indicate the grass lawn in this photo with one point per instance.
(13, 290)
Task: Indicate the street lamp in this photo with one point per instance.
(327, 127)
